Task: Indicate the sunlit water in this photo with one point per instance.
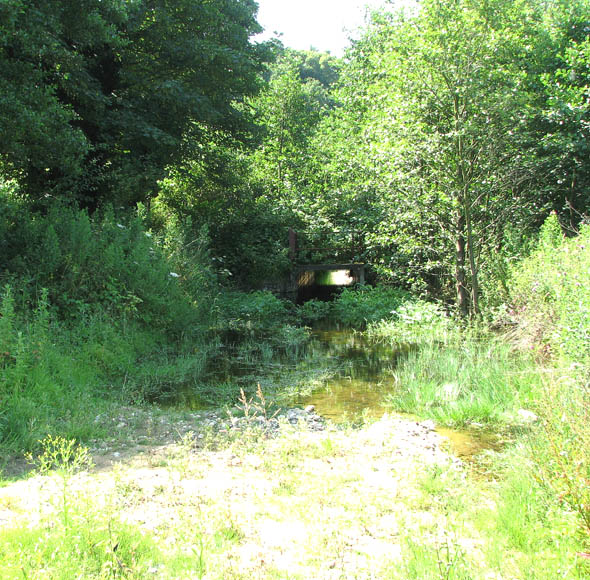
(364, 375)
(341, 374)
(367, 376)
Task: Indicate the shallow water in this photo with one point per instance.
(338, 371)
(366, 376)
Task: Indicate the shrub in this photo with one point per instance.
(248, 313)
(365, 304)
(551, 295)
(314, 310)
(414, 321)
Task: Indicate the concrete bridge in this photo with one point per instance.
(308, 279)
(341, 273)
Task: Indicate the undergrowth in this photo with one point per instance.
(455, 373)
(551, 307)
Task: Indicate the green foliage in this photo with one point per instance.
(247, 234)
(365, 304)
(96, 310)
(289, 109)
(551, 306)
(252, 313)
(464, 381)
(97, 98)
(415, 321)
(562, 450)
(99, 264)
(527, 524)
(445, 562)
(95, 548)
(313, 311)
(550, 235)
(455, 374)
(456, 126)
(66, 458)
(551, 296)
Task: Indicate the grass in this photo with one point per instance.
(465, 382)
(337, 504)
(456, 374)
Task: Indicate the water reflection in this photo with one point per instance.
(338, 371)
(364, 376)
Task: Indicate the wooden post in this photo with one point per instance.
(292, 245)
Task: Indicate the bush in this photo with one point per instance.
(365, 304)
(413, 322)
(95, 310)
(314, 310)
(248, 313)
(551, 295)
(105, 263)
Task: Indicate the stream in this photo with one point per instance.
(366, 376)
(344, 376)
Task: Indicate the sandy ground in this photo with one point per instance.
(324, 504)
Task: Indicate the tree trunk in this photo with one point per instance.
(472, 262)
(462, 294)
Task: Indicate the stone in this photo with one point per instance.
(428, 425)
(527, 417)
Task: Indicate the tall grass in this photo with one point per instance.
(95, 311)
(464, 382)
(454, 373)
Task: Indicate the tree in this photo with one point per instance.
(561, 132)
(98, 95)
(442, 101)
(288, 111)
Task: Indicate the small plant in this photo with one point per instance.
(451, 561)
(314, 310)
(253, 408)
(445, 561)
(185, 448)
(200, 561)
(250, 314)
(66, 458)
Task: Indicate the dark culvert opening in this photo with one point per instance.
(323, 285)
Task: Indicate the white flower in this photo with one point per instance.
(121, 226)
(174, 275)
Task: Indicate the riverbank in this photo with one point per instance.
(384, 501)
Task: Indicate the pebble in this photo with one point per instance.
(527, 417)
(428, 425)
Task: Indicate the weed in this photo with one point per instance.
(200, 563)
(365, 304)
(64, 457)
(258, 407)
